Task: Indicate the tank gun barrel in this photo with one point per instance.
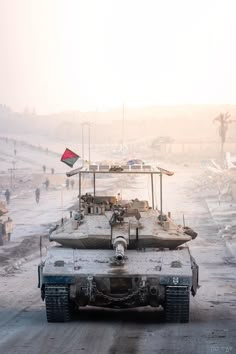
(120, 245)
(120, 251)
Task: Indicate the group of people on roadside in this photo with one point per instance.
(45, 168)
(70, 183)
(8, 195)
(37, 190)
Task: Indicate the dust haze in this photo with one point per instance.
(183, 139)
(182, 123)
(149, 84)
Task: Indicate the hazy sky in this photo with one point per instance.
(96, 54)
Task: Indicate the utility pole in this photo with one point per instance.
(88, 125)
(123, 127)
(83, 143)
(12, 172)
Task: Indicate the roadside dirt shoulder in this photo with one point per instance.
(14, 254)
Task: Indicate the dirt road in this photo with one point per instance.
(212, 325)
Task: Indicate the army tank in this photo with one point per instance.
(118, 253)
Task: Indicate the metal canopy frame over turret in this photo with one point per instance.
(127, 170)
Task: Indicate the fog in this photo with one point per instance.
(135, 71)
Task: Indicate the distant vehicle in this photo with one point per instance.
(135, 162)
(116, 168)
(120, 254)
(6, 225)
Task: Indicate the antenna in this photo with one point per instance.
(40, 247)
(88, 125)
(123, 127)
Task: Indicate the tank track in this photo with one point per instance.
(57, 302)
(177, 304)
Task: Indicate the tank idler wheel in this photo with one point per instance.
(58, 307)
(177, 304)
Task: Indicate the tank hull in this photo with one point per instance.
(92, 277)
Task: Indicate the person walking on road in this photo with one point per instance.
(72, 182)
(47, 184)
(7, 195)
(37, 195)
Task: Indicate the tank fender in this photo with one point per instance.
(40, 280)
(195, 277)
(40, 274)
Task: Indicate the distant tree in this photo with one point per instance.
(224, 121)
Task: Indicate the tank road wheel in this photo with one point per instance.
(57, 302)
(177, 304)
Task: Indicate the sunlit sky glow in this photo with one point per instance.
(59, 55)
